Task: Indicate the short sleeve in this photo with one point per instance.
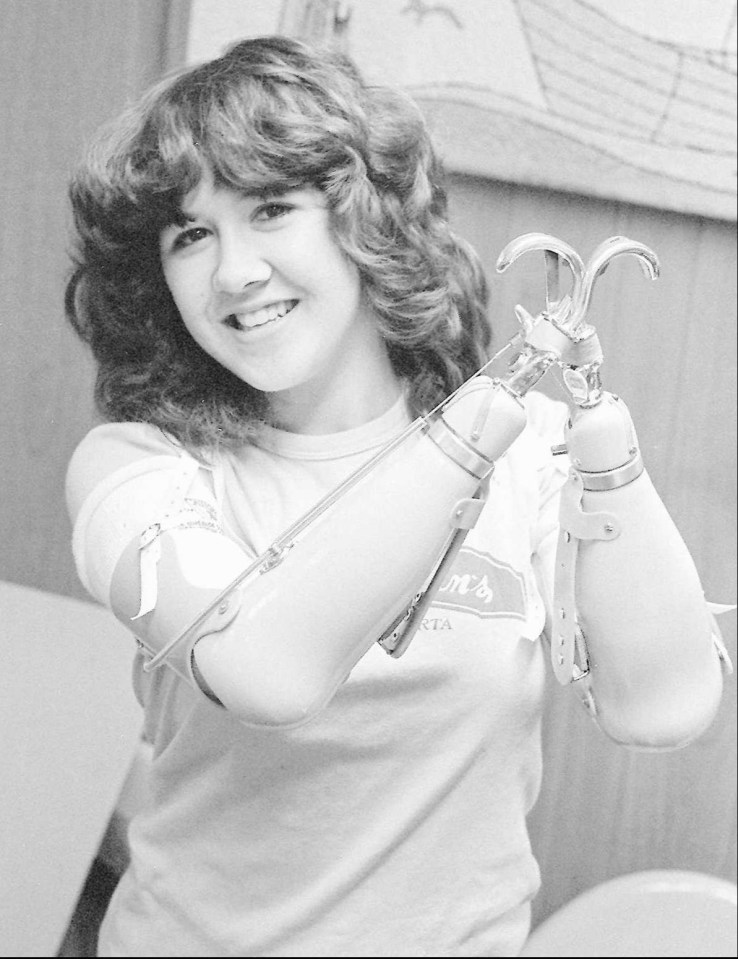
(121, 479)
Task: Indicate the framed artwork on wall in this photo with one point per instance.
(630, 101)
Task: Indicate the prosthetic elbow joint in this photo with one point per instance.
(180, 572)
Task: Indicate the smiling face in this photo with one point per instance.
(263, 287)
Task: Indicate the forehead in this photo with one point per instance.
(203, 193)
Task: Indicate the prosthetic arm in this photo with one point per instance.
(630, 627)
(365, 561)
(353, 565)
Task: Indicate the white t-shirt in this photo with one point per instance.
(392, 824)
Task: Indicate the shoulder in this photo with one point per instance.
(120, 443)
(118, 450)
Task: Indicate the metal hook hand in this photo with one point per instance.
(598, 263)
(555, 250)
(560, 333)
(568, 313)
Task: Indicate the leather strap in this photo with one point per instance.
(190, 513)
(465, 515)
(567, 640)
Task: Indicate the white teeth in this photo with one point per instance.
(248, 321)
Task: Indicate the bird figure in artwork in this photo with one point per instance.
(421, 9)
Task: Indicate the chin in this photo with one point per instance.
(275, 386)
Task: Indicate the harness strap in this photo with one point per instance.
(400, 634)
(568, 647)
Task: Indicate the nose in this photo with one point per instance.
(241, 263)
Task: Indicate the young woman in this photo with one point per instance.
(273, 294)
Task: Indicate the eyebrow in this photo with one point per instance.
(179, 219)
(262, 194)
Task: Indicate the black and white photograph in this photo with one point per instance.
(368, 516)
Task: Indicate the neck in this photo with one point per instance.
(359, 386)
(319, 411)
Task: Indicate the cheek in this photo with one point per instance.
(322, 259)
(342, 276)
(187, 293)
(173, 282)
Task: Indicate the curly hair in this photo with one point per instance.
(271, 114)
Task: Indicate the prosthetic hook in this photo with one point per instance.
(560, 332)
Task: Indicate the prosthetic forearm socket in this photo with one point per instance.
(626, 581)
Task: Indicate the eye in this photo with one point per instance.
(271, 210)
(188, 237)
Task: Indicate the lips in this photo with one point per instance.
(251, 319)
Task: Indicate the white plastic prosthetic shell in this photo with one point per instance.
(365, 557)
(628, 598)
